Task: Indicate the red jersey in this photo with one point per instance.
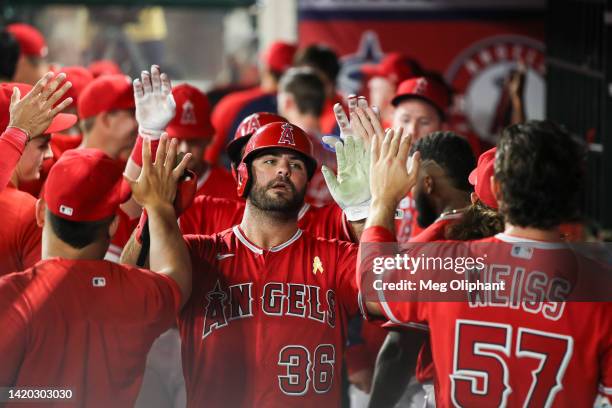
(520, 353)
(125, 228)
(406, 225)
(266, 328)
(83, 325)
(437, 230)
(19, 235)
(208, 215)
(217, 182)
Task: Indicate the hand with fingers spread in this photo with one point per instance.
(156, 185)
(34, 112)
(155, 105)
(390, 178)
(350, 188)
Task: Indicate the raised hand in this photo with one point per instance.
(390, 178)
(155, 105)
(156, 185)
(34, 112)
(350, 188)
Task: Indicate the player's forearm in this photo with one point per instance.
(357, 228)
(168, 253)
(12, 143)
(131, 252)
(382, 213)
(395, 365)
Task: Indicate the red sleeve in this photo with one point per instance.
(402, 313)
(13, 320)
(208, 215)
(12, 143)
(347, 289)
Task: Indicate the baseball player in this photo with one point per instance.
(192, 126)
(383, 79)
(232, 108)
(28, 118)
(32, 64)
(20, 235)
(265, 325)
(75, 322)
(513, 353)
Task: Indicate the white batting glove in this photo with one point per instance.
(351, 187)
(155, 106)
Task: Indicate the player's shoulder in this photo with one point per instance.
(208, 201)
(214, 241)
(16, 198)
(331, 244)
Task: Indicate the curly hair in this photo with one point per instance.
(540, 168)
(451, 152)
(479, 221)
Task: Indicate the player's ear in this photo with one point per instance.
(40, 212)
(473, 198)
(112, 228)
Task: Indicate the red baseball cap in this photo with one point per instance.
(80, 77)
(104, 67)
(85, 185)
(395, 66)
(31, 41)
(192, 117)
(104, 94)
(480, 178)
(279, 56)
(427, 89)
(61, 121)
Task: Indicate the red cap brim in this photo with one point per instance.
(61, 121)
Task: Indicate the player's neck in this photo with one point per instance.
(53, 247)
(267, 229)
(552, 234)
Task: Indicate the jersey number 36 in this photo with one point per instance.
(302, 368)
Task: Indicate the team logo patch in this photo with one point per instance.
(286, 136)
(188, 115)
(98, 281)
(317, 265)
(64, 209)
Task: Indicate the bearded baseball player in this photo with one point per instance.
(208, 215)
(265, 325)
(513, 352)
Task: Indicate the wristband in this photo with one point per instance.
(136, 155)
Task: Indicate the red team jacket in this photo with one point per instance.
(524, 354)
(266, 328)
(83, 325)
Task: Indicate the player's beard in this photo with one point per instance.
(288, 207)
(426, 213)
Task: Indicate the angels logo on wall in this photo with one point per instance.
(486, 74)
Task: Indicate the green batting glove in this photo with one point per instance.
(351, 187)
